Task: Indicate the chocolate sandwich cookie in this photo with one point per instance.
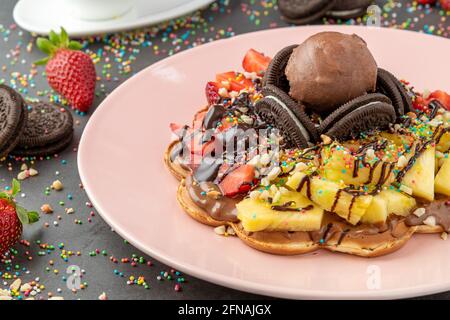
(297, 108)
(350, 106)
(304, 11)
(275, 74)
(49, 129)
(348, 9)
(387, 86)
(13, 116)
(363, 114)
(406, 98)
(274, 112)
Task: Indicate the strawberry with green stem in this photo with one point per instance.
(445, 4)
(70, 72)
(13, 217)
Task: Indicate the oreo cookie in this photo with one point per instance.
(48, 130)
(13, 117)
(349, 9)
(276, 113)
(363, 114)
(274, 74)
(304, 11)
(406, 98)
(387, 86)
(350, 106)
(297, 108)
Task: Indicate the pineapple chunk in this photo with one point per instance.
(397, 202)
(442, 179)
(257, 215)
(436, 168)
(338, 165)
(444, 143)
(294, 181)
(398, 139)
(330, 196)
(420, 178)
(377, 212)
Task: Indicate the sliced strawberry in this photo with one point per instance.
(442, 96)
(431, 2)
(199, 151)
(224, 168)
(236, 86)
(255, 61)
(175, 127)
(238, 181)
(240, 84)
(195, 147)
(208, 148)
(198, 120)
(179, 130)
(212, 93)
(420, 103)
(225, 77)
(445, 4)
(233, 81)
(202, 148)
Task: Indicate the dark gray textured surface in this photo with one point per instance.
(90, 236)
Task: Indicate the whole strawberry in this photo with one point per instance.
(431, 2)
(70, 72)
(12, 218)
(445, 4)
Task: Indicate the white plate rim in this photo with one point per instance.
(192, 6)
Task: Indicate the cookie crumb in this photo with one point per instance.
(419, 212)
(220, 230)
(325, 139)
(57, 185)
(230, 231)
(103, 296)
(214, 194)
(46, 208)
(430, 221)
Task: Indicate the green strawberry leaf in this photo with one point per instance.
(64, 38)
(54, 38)
(75, 45)
(4, 195)
(33, 216)
(23, 215)
(15, 187)
(55, 42)
(45, 45)
(42, 62)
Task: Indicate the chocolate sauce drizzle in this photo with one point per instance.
(287, 206)
(224, 208)
(420, 148)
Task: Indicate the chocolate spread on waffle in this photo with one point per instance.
(208, 196)
(439, 209)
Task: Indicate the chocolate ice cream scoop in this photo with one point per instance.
(330, 69)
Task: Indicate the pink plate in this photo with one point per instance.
(121, 166)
